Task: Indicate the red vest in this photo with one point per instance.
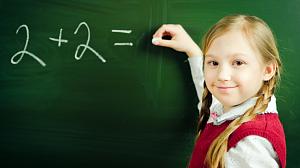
(264, 125)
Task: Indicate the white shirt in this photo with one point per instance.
(252, 151)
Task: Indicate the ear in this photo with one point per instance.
(270, 70)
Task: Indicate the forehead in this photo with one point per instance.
(232, 43)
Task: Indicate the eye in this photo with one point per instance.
(238, 63)
(212, 63)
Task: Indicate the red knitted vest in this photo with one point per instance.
(264, 125)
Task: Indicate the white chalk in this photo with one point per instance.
(155, 40)
(123, 44)
(121, 31)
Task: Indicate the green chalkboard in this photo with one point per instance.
(82, 85)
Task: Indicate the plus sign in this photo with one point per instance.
(59, 40)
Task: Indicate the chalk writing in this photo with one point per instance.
(123, 31)
(86, 45)
(123, 44)
(24, 51)
(80, 50)
(59, 40)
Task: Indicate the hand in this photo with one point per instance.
(180, 40)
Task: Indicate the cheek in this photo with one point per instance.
(249, 76)
(209, 80)
(208, 76)
(249, 82)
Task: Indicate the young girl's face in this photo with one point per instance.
(233, 70)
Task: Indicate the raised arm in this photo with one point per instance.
(181, 41)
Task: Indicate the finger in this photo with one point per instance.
(159, 32)
(155, 40)
(164, 43)
(167, 29)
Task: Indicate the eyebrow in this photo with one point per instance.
(235, 54)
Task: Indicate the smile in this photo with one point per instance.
(226, 87)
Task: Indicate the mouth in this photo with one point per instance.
(226, 87)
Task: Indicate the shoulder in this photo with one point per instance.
(252, 151)
(267, 126)
(264, 125)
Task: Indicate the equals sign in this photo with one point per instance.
(122, 31)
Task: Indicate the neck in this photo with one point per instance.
(251, 100)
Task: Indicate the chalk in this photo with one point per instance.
(155, 40)
(123, 44)
(121, 31)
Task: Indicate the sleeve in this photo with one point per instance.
(252, 152)
(196, 65)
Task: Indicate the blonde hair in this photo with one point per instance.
(261, 38)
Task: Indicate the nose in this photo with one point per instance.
(224, 73)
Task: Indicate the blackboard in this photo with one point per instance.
(118, 101)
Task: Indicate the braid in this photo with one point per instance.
(205, 111)
(215, 154)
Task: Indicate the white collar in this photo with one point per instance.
(217, 115)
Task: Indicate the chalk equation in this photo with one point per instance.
(18, 56)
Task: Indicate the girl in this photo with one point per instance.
(238, 120)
